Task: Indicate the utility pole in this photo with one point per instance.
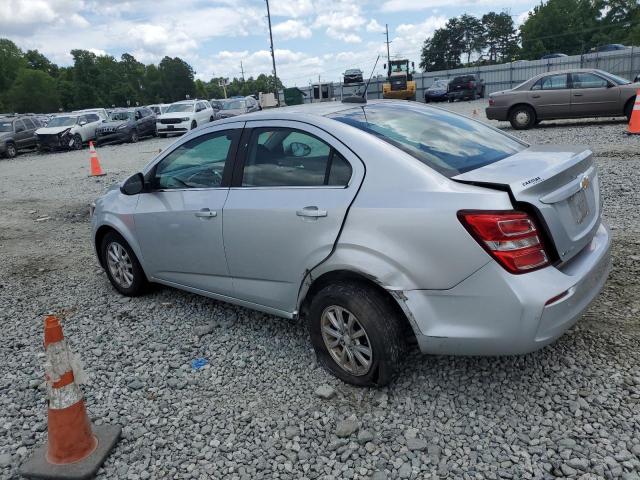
(273, 58)
(242, 70)
(386, 26)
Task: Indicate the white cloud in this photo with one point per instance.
(292, 29)
(24, 18)
(520, 19)
(291, 8)
(409, 37)
(342, 20)
(374, 27)
(414, 5)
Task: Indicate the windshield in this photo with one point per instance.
(439, 84)
(399, 67)
(234, 105)
(121, 116)
(180, 107)
(614, 78)
(215, 104)
(446, 142)
(352, 72)
(62, 121)
(6, 126)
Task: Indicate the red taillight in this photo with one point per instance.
(472, 84)
(491, 101)
(512, 238)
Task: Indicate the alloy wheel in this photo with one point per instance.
(346, 340)
(120, 265)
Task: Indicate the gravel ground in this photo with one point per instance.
(261, 407)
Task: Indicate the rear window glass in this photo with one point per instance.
(450, 144)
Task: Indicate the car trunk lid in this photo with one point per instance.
(561, 183)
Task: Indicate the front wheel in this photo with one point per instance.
(522, 117)
(77, 141)
(628, 109)
(356, 333)
(194, 124)
(211, 119)
(122, 266)
(11, 150)
(134, 136)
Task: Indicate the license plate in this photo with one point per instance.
(579, 206)
(170, 127)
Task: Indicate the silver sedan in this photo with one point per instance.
(380, 224)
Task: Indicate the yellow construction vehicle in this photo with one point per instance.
(400, 84)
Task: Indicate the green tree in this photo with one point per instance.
(86, 75)
(201, 89)
(152, 85)
(34, 91)
(472, 35)
(444, 49)
(565, 26)
(11, 61)
(501, 36)
(176, 77)
(37, 61)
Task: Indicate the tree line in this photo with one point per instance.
(30, 82)
(555, 26)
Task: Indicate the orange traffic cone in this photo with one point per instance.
(74, 449)
(96, 169)
(634, 123)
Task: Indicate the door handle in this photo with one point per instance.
(577, 94)
(535, 96)
(312, 212)
(206, 213)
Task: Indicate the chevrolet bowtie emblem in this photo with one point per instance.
(584, 183)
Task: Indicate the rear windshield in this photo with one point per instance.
(447, 142)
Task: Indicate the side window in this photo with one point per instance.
(19, 126)
(587, 80)
(92, 117)
(283, 157)
(198, 163)
(552, 82)
(28, 123)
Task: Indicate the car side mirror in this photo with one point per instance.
(82, 123)
(133, 185)
(299, 149)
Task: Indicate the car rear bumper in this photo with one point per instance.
(497, 113)
(496, 313)
(457, 94)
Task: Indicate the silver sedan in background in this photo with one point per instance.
(564, 94)
(379, 223)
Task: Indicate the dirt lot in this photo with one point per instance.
(571, 410)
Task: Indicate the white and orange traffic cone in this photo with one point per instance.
(74, 449)
(634, 122)
(96, 169)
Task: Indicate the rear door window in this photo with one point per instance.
(285, 157)
(28, 123)
(552, 82)
(448, 143)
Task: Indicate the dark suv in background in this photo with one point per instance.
(17, 132)
(127, 125)
(465, 87)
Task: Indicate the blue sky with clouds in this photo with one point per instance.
(311, 37)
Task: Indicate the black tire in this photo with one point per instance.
(162, 135)
(10, 150)
(133, 138)
(426, 100)
(628, 108)
(522, 117)
(194, 124)
(77, 142)
(483, 92)
(451, 99)
(379, 320)
(154, 132)
(140, 283)
(211, 119)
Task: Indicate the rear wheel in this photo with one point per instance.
(122, 266)
(134, 136)
(356, 333)
(10, 150)
(522, 117)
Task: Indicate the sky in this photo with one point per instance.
(311, 37)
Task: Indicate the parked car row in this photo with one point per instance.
(463, 87)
